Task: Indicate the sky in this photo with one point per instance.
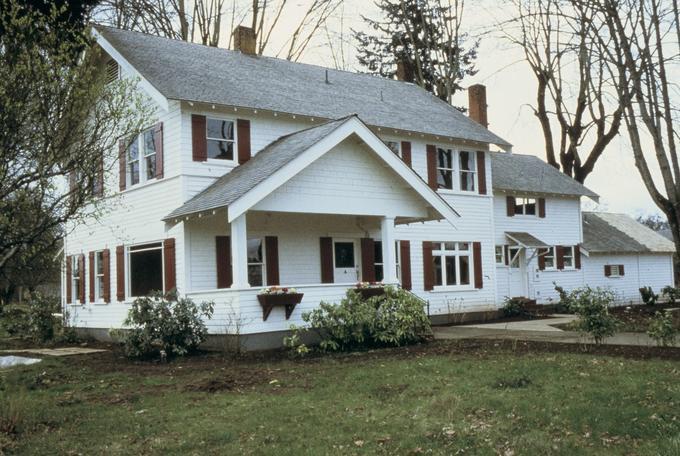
(511, 90)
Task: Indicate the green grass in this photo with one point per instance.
(482, 401)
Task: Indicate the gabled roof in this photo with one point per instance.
(529, 174)
(280, 159)
(619, 233)
(197, 73)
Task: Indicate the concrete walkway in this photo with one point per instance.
(536, 330)
(67, 351)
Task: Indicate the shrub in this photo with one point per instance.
(15, 321)
(648, 296)
(671, 294)
(661, 329)
(592, 307)
(34, 320)
(167, 324)
(565, 305)
(392, 319)
(514, 307)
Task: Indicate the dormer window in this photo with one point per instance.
(220, 139)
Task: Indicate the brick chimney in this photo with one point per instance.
(405, 70)
(477, 104)
(244, 40)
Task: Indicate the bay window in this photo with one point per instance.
(467, 167)
(145, 273)
(220, 139)
(256, 262)
(444, 168)
(452, 263)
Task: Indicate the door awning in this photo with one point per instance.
(525, 240)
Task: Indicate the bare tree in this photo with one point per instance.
(643, 54)
(576, 105)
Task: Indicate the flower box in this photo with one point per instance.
(270, 300)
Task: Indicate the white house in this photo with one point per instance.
(259, 171)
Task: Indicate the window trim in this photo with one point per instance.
(618, 274)
(263, 264)
(128, 266)
(565, 249)
(98, 291)
(453, 169)
(75, 277)
(552, 252)
(141, 160)
(525, 200)
(519, 249)
(473, 171)
(443, 253)
(222, 161)
(397, 258)
(502, 258)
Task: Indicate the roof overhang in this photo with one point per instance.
(525, 240)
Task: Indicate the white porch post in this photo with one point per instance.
(388, 250)
(239, 252)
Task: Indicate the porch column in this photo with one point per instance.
(239, 252)
(388, 250)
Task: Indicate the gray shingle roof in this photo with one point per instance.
(528, 173)
(192, 72)
(243, 178)
(526, 239)
(619, 233)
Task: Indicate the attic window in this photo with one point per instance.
(112, 71)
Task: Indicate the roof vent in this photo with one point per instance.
(245, 40)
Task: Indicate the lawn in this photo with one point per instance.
(443, 398)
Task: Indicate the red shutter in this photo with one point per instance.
(559, 253)
(577, 257)
(120, 273)
(367, 260)
(432, 166)
(621, 271)
(510, 204)
(541, 259)
(158, 142)
(122, 176)
(271, 248)
(406, 152)
(428, 266)
(223, 261)
(69, 279)
(91, 261)
(541, 207)
(506, 254)
(326, 260)
(607, 270)
(477, 258)
(199, 142)
(81, 272)
(405, 263)
(169, 264)
(106, 259)
(481, 171)
(243, 138)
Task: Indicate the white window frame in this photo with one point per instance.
(524, 202)
(571, 256)
(224, 161)
(552, 253)
(511, 256)
(473, 171)
(397, 258)
(500, 261)
(98, 291)
(141, 159)
(262, 264)
(75, 278)
(439, 250)
(128, 265)
(452, 170)
(612, 274)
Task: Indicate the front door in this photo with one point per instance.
(345, 261)
(517, 272)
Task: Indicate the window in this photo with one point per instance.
(146, 269)
(549, 258)
(467, 168)
(394, 147)
(141, 158)
(525, 206)
(568, 257)
(378, 255)
(514, 259)
(256, 269)
(615, 270)
(75, 278)
(500, 254)
(220, 139)
(452, 263)
(99, 276)
(444, 168)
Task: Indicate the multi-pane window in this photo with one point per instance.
(220, 139)
(75, 278)
(549, 258)
(444, 168)
(378, 261)
(467, 170)
(133, 162)
(141, 158)
(568, 257)
(149, 144)
(525, 206)
(500, 254)
(395, 147)
(452, 263)
(615, 270)
(256, 269)
(146, 269)
(98, 276)
(514, 254)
